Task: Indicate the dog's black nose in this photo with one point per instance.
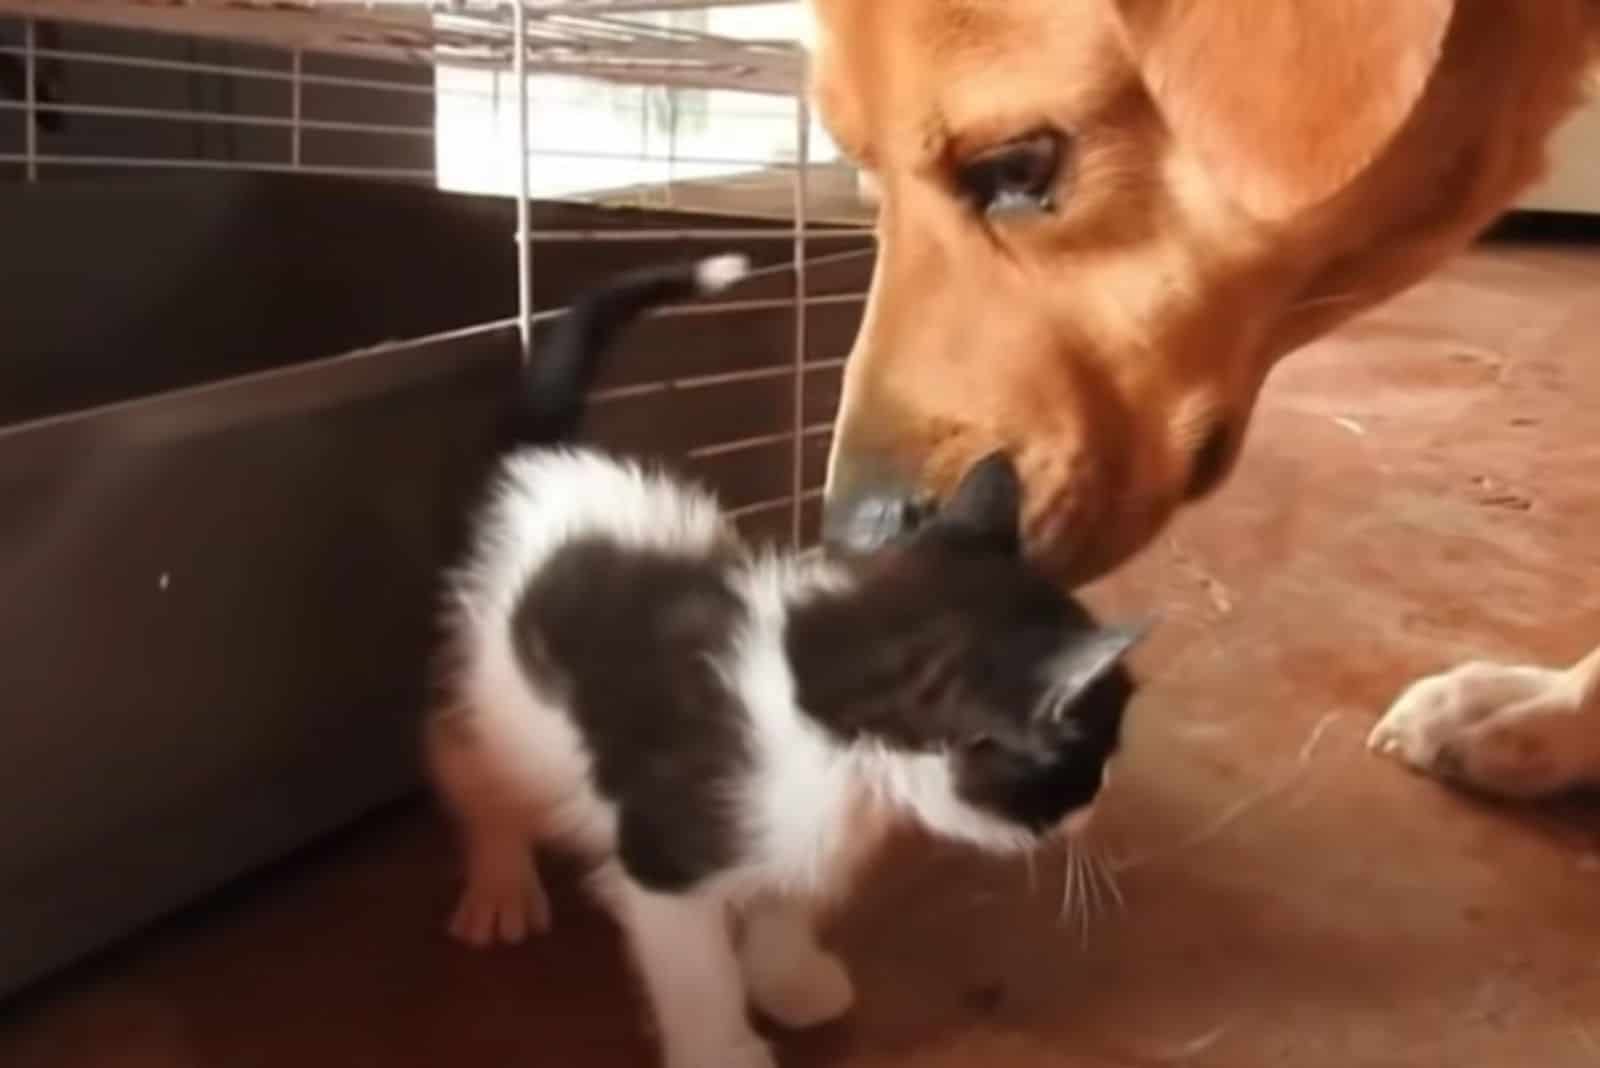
(860, 514)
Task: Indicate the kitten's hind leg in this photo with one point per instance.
(791, 978)
(503, 899)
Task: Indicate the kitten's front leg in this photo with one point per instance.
(685, 955)
(790, 977)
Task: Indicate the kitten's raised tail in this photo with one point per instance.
(559, 375)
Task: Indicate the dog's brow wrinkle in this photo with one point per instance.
(932, 137)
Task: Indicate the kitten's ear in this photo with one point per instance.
(987, 505)
(1086, 659)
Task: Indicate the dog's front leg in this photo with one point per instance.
(1511, 731)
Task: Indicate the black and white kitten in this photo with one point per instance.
(725, 733)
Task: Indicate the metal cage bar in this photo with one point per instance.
(561, 38)
(519, 60)
(296, 107)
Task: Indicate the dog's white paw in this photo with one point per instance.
(1506, 730)
(1526, 752)
(504, 901)
(1425, 717)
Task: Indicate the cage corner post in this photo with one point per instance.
(30, 106)
(519, 74)
(802, 168)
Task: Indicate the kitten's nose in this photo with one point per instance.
(1077, 823)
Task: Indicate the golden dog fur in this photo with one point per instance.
(1239, 179)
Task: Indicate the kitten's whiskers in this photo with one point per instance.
(1075, 894)
(1108, 878)
(1085, 898)
(1089, 889)
(1067, 899)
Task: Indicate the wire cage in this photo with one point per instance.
(428, 94)
(271, 264)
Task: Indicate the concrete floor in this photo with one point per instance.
(1419, 490)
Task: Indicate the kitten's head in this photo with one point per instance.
(970, 658)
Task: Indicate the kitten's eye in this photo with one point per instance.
(1017, 178)
(979, 743)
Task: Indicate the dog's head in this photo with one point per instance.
(1102, 221)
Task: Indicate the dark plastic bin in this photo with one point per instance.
(222, 510)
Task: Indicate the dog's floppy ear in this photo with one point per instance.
(1286, 101)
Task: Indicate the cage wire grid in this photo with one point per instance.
(597, 40)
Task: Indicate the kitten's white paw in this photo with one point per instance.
(787, 975)
(503, 902)
(1509, 731)
(803, 992)
(750, 1052)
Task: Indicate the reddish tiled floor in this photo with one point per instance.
(1419, 490)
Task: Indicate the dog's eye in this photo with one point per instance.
(1207, 467)
(1017, 178)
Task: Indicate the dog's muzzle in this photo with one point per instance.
(860, 514)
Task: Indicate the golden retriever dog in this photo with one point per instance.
(1132, 209)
